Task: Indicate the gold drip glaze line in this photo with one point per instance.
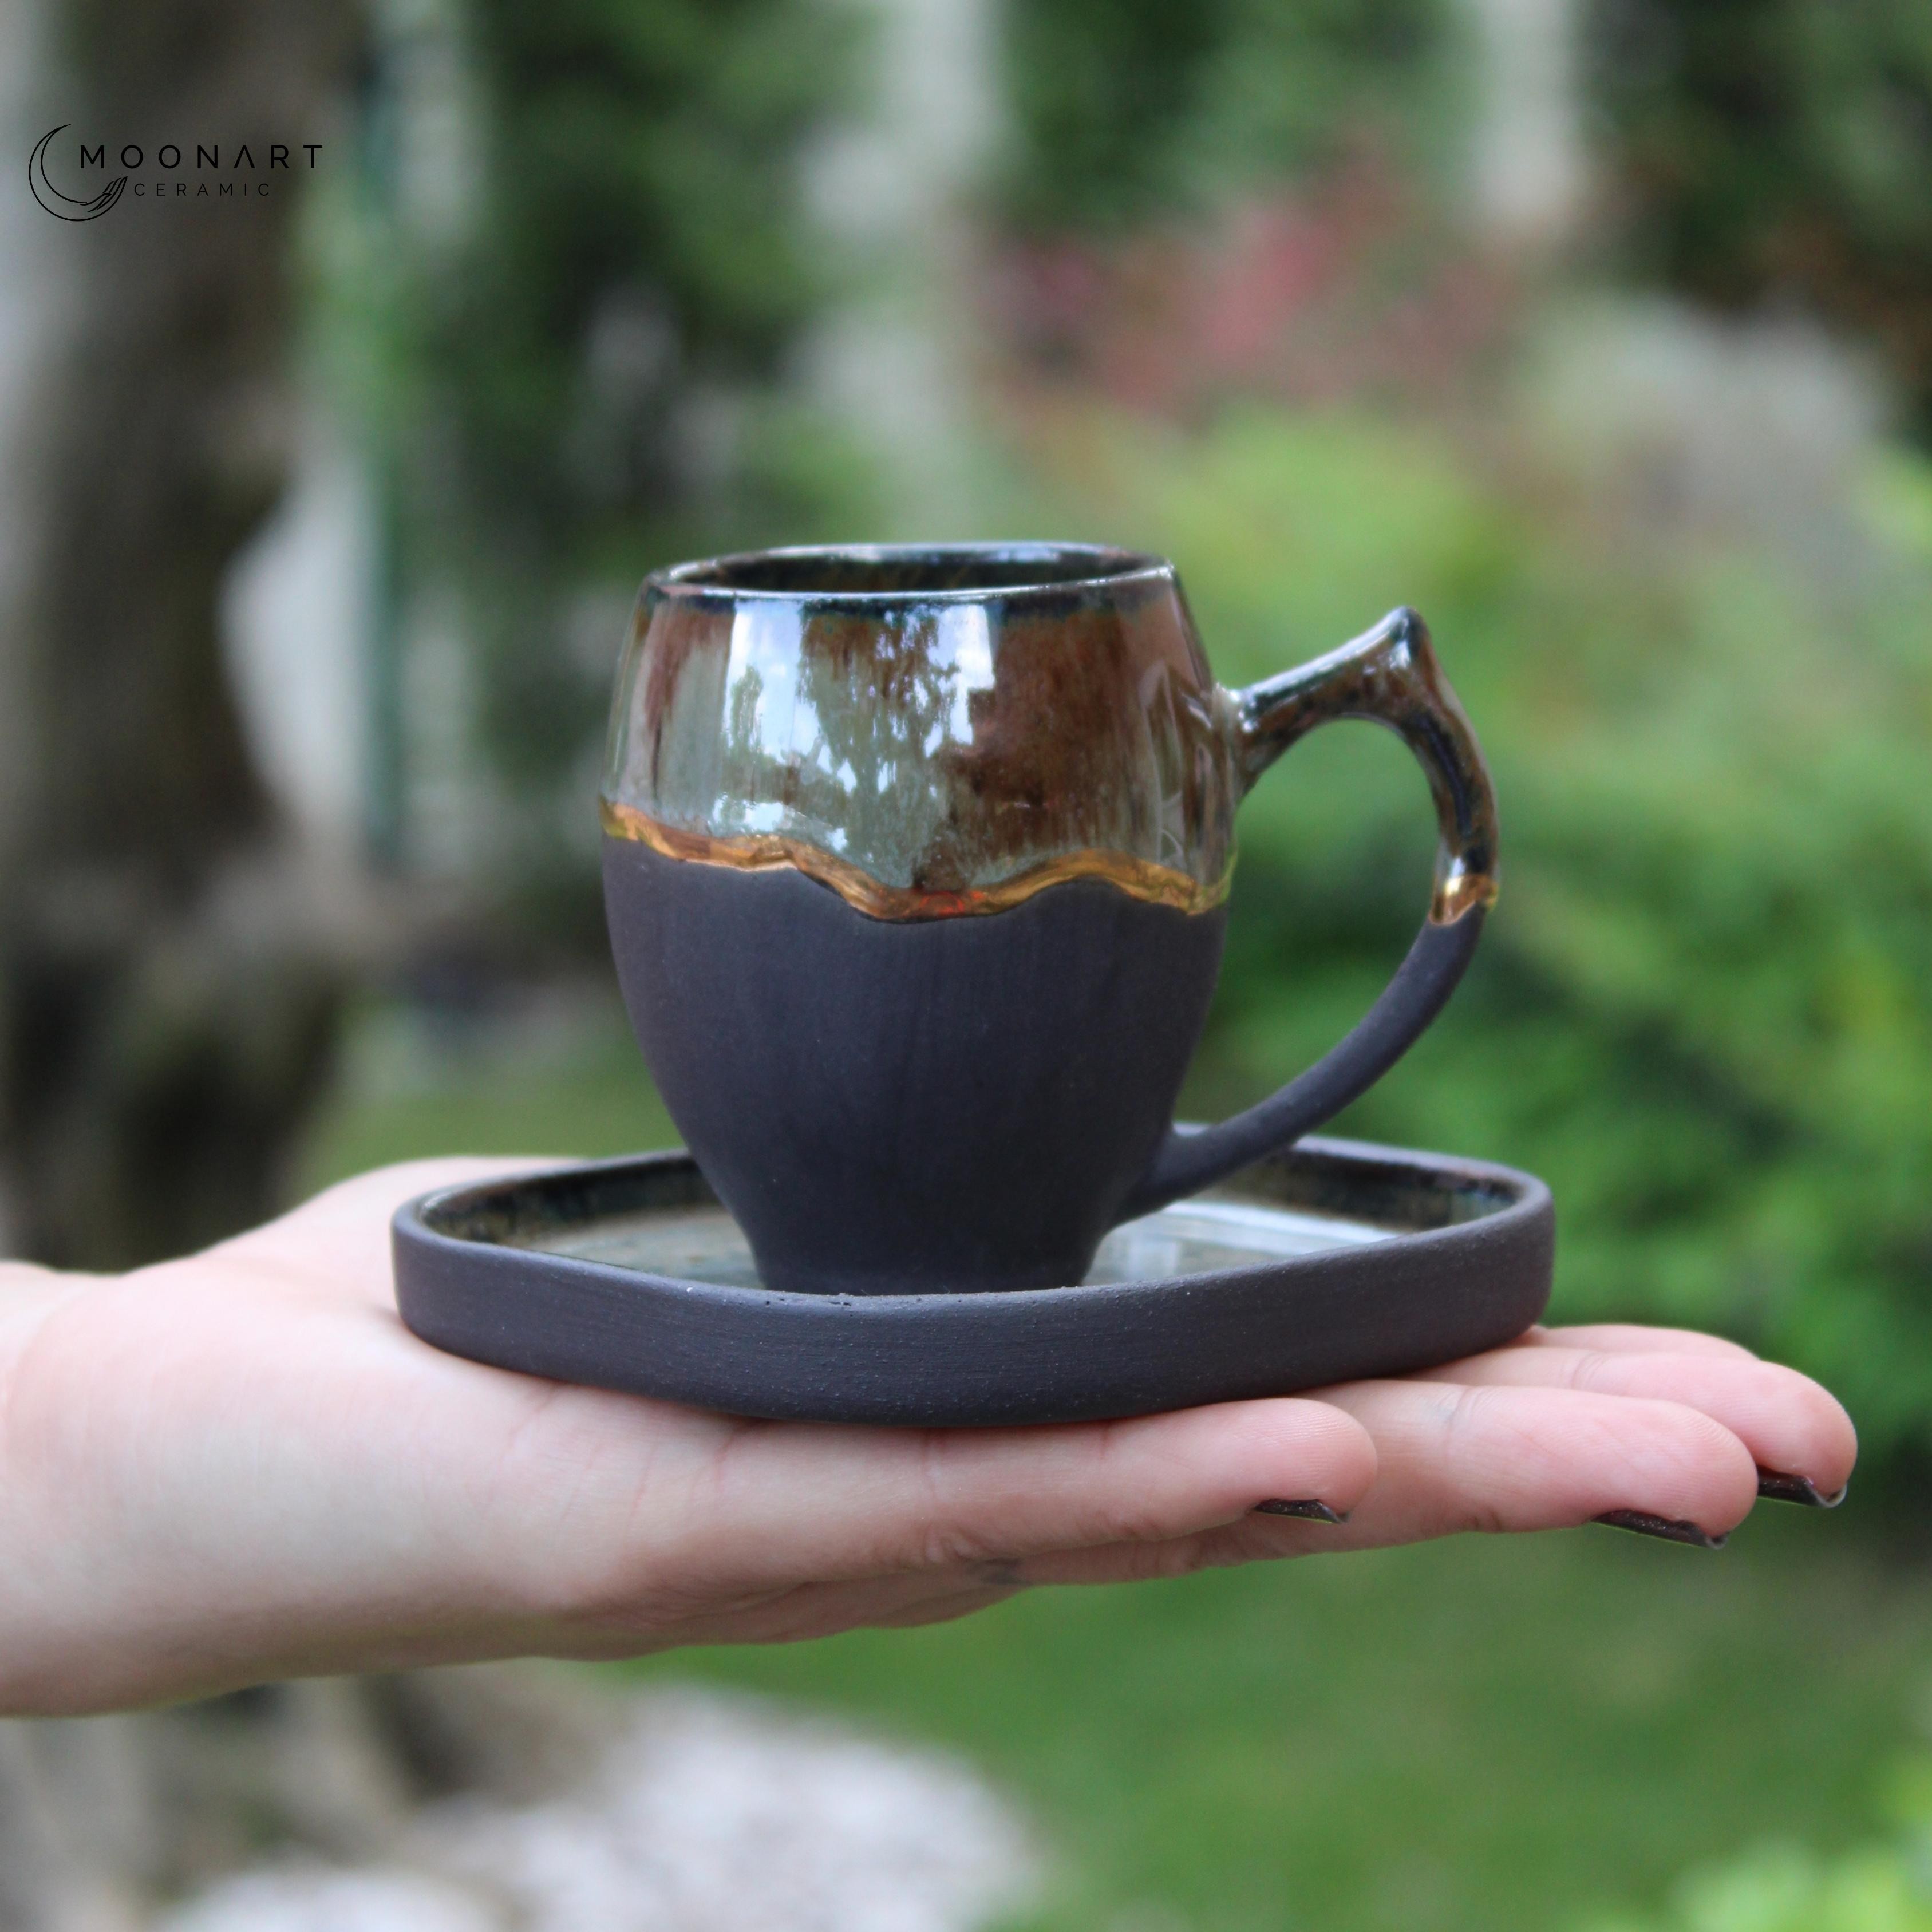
(771, 851)
(1463, 892)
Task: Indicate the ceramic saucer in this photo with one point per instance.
(1336, 1260)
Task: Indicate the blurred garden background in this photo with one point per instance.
(1601, 331)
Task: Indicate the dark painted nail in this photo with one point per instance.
(1783, 1489)
(1313, 1510)
(1641, 1523)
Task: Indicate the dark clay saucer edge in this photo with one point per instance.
(1086, 1353)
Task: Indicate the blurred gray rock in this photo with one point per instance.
(99, 1817)
(495, 1798)
(1694, 423)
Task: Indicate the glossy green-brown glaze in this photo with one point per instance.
(929, 732)
(935, 732)
(1389, 676)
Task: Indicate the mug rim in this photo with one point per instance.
(1039, 570)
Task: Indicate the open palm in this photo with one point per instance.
(240, 1465)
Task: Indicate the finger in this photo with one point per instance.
(1454, 1457)
(1632, 1338)
(802, 1613)
(781, 1502)
(945, 1609)
(1788, 1423)
(1253, 1539)
(1455, 1492)
(943, 1497)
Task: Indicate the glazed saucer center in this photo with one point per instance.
(1201, 1236)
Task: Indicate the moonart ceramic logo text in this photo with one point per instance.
(218, 171)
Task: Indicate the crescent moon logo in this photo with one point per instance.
(65, 206)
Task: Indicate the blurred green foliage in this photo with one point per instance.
(1703, 1008)
(577, 370)
(1120, 113)
(1777, 150)
(1486, 1735)
(637, 273)
(640, 242)
(1885, 1887)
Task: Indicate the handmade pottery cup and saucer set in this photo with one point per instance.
(916, 862)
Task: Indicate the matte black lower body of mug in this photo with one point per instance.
(910, 1106)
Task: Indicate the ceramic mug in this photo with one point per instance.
(916, 862)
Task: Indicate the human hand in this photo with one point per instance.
(240, 1465)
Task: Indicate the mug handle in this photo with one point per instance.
(1389, 675)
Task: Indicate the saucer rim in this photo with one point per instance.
(1526, 1194)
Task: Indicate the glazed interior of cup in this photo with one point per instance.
(889, 571)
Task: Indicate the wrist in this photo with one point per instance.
(24, 1283)
(31, 1605)
(28, 1294)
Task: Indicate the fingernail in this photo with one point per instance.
(1313, 1510)
(1783, 1489)
(1641, 1523)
